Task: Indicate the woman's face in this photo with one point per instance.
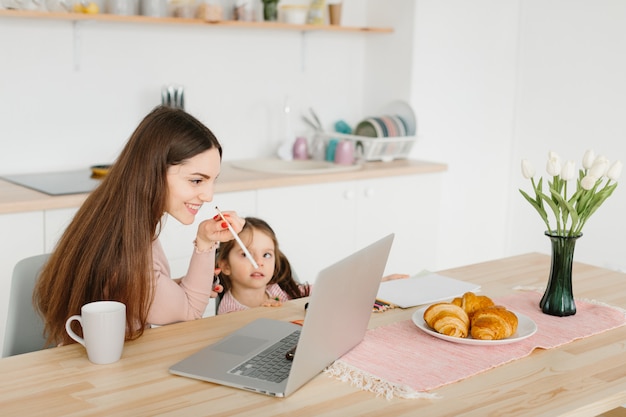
(241, 272)
(190, 184)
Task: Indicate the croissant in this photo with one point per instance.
(471, 302)
(493, 323)
(448, 319)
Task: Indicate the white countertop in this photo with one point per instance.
(15, 198)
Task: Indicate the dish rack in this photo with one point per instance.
(376, 149)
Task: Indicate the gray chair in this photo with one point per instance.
(24, 327)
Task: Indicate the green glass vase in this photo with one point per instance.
(558, 300)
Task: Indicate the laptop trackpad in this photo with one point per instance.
(239, 345)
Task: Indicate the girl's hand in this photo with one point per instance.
(216, 229)
(217, 290)
(394, 276)
(217, 287)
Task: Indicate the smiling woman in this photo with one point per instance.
(111, 249)
(190, 184)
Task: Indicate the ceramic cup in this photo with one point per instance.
(344, 153)
(154, 8)
(104, 330)
(300, 148)
(334, 13)
(330, 150)
(122, 7)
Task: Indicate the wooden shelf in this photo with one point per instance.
(26, 14)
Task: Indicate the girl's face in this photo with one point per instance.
(241, 272)
(190, 184)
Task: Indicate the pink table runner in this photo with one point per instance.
(401, 360)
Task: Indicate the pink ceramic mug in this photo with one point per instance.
(344, 153)
(301, 148)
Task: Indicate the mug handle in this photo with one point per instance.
(70, 332)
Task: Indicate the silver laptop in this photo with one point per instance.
(336, 320)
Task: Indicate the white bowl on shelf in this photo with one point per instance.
(294, 14)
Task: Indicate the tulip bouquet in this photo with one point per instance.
(596, 181)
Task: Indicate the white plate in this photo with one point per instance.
(526, 327)
(404, 110)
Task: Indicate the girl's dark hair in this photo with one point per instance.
(106, 251)
(283, 275)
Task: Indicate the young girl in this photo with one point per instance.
(244, 287)
(269, 285)
(111, 250)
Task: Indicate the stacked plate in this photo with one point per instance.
(398, 119)
(382, 127)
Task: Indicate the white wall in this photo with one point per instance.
(463, 92)
(495, 81)
(492, 82)
(572, 96)
(73, 92)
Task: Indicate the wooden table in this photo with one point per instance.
(585, 377)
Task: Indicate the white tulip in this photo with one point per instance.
(615, 171)
(554, 155)
(588, 159)
(554, 165)
(600, 167)
(588, 182)
(568, 172)
(591, 190)
(528, 170)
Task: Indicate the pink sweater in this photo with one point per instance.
(184, 299)
(230, 303)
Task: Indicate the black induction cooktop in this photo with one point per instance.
(57, 183)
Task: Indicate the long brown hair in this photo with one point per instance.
(283, 274)
(106, 251)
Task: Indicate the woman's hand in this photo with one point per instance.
(216, 230)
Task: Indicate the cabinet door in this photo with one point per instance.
(55, 223)
(314, 223)
(407, 206)
(22, 236)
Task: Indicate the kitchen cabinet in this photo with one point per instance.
(314, 224)
(55, 223)
(319, 224)
(408, 206)
(23, 237)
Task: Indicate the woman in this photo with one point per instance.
(111, 250)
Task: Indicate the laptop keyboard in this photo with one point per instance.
(271, 364)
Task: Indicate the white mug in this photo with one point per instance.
(122, 7)
(104, 330)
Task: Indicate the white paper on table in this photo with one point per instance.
(423, 289)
